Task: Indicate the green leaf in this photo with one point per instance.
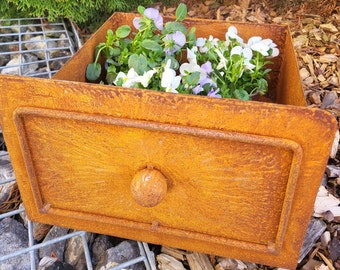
(111, 74)
(191, 37)
(181, 12)
(112, 69)
(262, 86)
(266, 71)
(242, 94)
(107, 51)
(123, 31)
(151, 45)
(93, 71)
(172, 27)
(174, 63)
(138, 63)
(101, 45)
(109, 37)
(193, 78)
(111, 62)
(120, 82)
(236, 58)
(115, 52)
(141, 9)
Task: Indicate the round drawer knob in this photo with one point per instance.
(148, 187)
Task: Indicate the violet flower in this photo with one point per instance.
(214, 93)
(177, 38)
(136, 22)
(207, 67)
(152, 14)
(197, 89)
(209, 81)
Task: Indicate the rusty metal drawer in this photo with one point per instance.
(227, 177)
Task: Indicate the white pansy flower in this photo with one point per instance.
(191, 66)
(205, 44)
(275, 52)
(253, 40)
(213, 41)
(263, 46)
(223, 60)
(191, 54)
(247, 54)
(146, 77)
(249, 66)
(236, 50)
(201, 44)
(187, 68)
(200, 41)
(232, 34)
(272, 45)
(129, 79)
(169, 79)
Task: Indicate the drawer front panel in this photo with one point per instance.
(84, 164)
(237, 179)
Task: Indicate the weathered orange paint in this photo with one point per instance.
(149, 187)
(240, 176)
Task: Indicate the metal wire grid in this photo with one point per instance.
(16, 42)
(146, 256)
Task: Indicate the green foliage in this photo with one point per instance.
(86, 13)
(151, 58)
(170, 2)
(181, 12)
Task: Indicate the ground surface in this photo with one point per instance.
(315, 29)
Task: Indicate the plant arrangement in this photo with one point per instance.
(169, 57)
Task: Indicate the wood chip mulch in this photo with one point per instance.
(315, 32)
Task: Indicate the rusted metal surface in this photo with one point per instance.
(229, 174)
(149, 187)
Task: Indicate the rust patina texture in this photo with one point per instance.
(231, 178)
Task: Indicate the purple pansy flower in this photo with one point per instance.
(153, 14)
(209, 81)
(177, 38)
(197, 89)
(136, 22)
(214, 93)
(207, 67)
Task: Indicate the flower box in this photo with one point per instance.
(227, 177)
